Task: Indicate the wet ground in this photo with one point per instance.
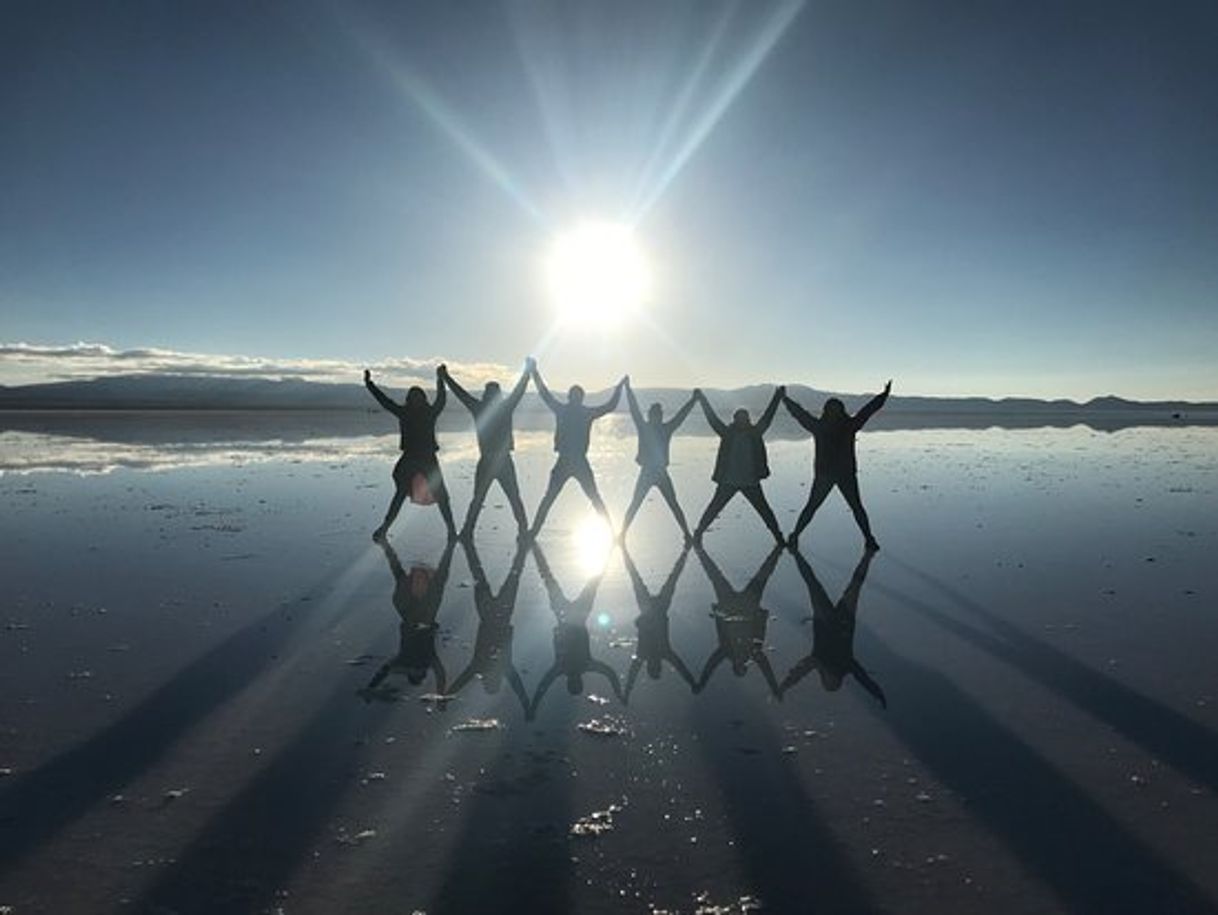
(218, 694)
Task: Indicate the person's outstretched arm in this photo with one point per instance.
(517, 685)
(717, 657)
(682, 670)
(611, 404)
(715, 422)
(870, 408)
(550, 676)
(798, 672)
(679, 416)
(615, 683)
(868, 683)
(518, 391)
(768, 416)
(802, 416)
(462, 395)
(635, 413)
(440, 579)
(767, 671)
(549, 399)
(380, 395)
(462, 679)
(437, 405)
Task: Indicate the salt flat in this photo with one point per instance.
(193, 624)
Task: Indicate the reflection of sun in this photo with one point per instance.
(593, 542)
(597, 274)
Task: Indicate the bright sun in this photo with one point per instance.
(597, 274)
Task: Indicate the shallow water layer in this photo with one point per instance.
(217, 694)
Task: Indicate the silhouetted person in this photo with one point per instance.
(493, 424)
(417, 595)
(835, 463)
(572, 433)
(833, 633)
(740, 621)
(417, 472)
(655, 437)
(741, 463)
(492, 657)
(654, 645)
(572, 643)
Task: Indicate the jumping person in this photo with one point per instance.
(740, 621)
(654, 645)
(835, 463)
(572, 433)
(655, 437)
(572, 642)
(417, 596)
(492, 657)
(832, 654)
(493, 424)
(417, 472)
(741, 463)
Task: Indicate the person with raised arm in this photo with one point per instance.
(832, 654)
(741, 463)
(572, 433)
(654, 645)
(655, 438)
(417, 596)
(740, 621)
(493, 425)
(492, 657)
(835, 463)
(572, 642)
(417, 472)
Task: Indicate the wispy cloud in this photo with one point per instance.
(26, 363)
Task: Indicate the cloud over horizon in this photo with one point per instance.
(32, 363)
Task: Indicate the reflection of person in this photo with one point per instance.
(492, 657)
(655, 437)
(832, 653)
(741, 463)
(417, 472)
(572, 643)
(654, 644)
(493, 424)
(572, 434)
(835, 463)
(416, 597)
(740, 621)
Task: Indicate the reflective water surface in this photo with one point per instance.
(218, 694)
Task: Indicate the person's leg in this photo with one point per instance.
(587, 482)
(821, 488)
(483, 477)
(507, 482)
(756, 497)
(435, 482)
(401, 488)
(641, 486)
(669, 492)
(723, 495)
(558, 477)
(850, 491)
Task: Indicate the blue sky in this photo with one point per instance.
(980, 198)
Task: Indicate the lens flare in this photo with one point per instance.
(597, 275)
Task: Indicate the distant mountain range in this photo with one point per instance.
(192, 393)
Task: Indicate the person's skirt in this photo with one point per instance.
(420, 477)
